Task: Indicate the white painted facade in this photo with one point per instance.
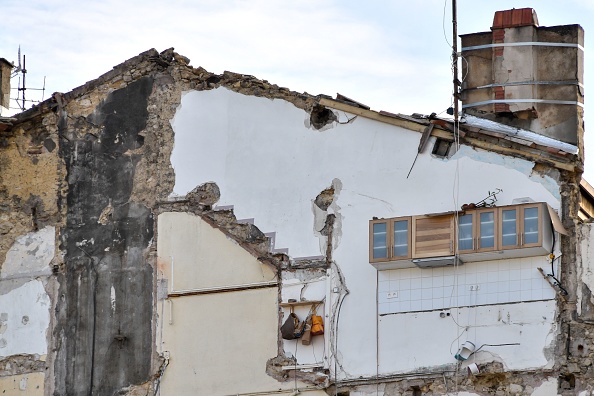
(24, 302)
(270, 165)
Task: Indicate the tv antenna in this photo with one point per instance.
(21, 71)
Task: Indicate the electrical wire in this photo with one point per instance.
(335, 349)
(445, 36)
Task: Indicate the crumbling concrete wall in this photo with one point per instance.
(30, 185)
(104, 321)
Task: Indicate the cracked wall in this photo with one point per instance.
(95, 164)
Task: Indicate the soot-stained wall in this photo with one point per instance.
(103, 329)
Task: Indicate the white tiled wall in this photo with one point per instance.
(481, 283)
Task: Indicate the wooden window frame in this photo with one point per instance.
(390, 239)
(495, 247)
(539, 214)
(500, 224)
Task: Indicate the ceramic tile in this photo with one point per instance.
(404, 295)
(383, 276)
(537, 294)
(383, 308)
(438, 303)
(415, 305)
(503, 297)
(515, 296)
(481, 299)
(438, 281)
(383, 286)
(482, 277)
(491, 298)
(427, 294)
(527, 273)
(515, 265)
(515, 285)
(404, 284)
(415, 283)
(491, 287)
(395, 306)
(426, 283)
(548, 293)
(415, 294)
(503, 276)
(537, 284)
(503, 287)
(448, 280)
(405, 306)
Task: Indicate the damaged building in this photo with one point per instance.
(162, 226)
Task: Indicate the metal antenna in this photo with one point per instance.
(21, 99)
(23, 88)
(455, 61)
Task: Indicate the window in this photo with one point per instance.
(481, 234)
(389, 239)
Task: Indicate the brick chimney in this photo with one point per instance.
(525, 75)
(5, 69)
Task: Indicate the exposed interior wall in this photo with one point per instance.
(219, 334)
(202, 257)
(371, 161)
(91, 169)
(30, 183)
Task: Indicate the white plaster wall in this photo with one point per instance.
(24, 320)
(203, 257)
(271, 167)
(24, 303)
(30, 255)
(495, 325)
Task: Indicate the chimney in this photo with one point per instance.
(525, 75)
(5, 70)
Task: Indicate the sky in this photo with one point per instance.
(391, 55)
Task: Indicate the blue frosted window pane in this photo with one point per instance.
(401, 238)
(531, 225)
(487, 220)
(509, 236)
(465, 232)
(380, 240)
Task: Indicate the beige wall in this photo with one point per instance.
(202, 256)
(218, 343)
(22, 385)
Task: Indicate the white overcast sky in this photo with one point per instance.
(391, 55)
